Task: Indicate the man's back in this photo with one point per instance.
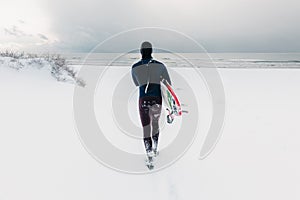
(147, 74)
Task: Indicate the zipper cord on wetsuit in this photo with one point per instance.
(148, 76)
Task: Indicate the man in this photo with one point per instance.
(147, 75)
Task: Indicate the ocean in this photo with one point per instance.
(202, 60)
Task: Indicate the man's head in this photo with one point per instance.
(146, 50)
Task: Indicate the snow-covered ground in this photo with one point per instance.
(257, 156)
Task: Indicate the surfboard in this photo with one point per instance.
(171, 101)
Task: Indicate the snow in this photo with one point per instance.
(54, 64)
(256, 157)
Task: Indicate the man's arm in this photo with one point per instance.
(165, 75)
(134, 78)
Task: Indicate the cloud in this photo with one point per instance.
(18, 37)
(21, 21)
(15, 31)
(42, 36)
(230, 25)
(226, 26)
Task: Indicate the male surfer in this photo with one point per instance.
(147, 75)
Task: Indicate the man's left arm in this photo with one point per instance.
(134, 78)
(165, 75)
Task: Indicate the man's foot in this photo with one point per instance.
(150, 166)
(149, 160)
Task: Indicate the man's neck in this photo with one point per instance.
(146, 57)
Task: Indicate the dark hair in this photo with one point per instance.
(146, 50)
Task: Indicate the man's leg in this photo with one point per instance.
(154, 112)
(145, 119)
(147, 138)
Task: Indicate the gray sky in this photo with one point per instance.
(220, 26)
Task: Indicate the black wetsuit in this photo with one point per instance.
(147, 74)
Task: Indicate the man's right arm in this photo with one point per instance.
(134, 78)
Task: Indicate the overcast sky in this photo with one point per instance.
(219, 25)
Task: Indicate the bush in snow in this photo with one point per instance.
(55, 63)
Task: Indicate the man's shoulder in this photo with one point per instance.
(137, 64)
(141, 63)
(157, 62)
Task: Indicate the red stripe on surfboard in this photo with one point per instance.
(175, 97)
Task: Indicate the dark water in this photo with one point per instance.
(220, 60)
